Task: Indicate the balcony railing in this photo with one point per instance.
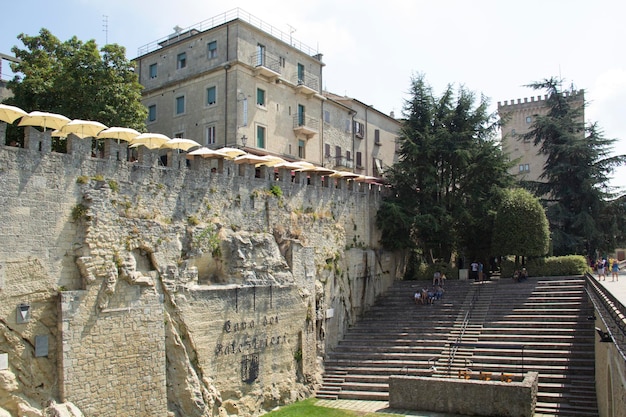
(266, 64)
(342, 162)
(221, 19)
(305, 125)
(307, 84)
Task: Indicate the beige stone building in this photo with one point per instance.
(234, 80)
(518, 116)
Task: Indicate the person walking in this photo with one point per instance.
(615, 270)
(601, 267)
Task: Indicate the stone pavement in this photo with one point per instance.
(617, 288)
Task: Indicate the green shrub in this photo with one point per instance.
(548, 267)
(423, 271)
(83, 179)
(276, 191)
(79, 211)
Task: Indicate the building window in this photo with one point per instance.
(152, 113)
(260, 97)
(359, 162)
(179, 135)
(348, 156)
(211, 50)
(281, 61)
(153, 70)
(326, 116)
(301, 115)
(348, 126)
(210, 135)
(211, 96)
(301, 147)
(377, 137)
(378, 167)
(181, 60)
(180, 105)
(529, 119)
(300, 74)
(513, 132)
(260, 136)
(327, 150)
(359, 129)
(524, 168)
(260, 58)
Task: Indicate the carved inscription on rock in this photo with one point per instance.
(249, 336)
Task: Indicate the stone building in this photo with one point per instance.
(234, 80)
(517, 117)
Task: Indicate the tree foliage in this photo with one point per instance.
(75, 79)
(449, 177)
(581, 207)
(521, 226)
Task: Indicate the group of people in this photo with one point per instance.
(429, 296)
(602, 265)
(520, 275)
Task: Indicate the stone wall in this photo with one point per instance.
(465, 397)
(176, 290)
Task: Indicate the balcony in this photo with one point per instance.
(305, 125)
(340, 163)
(307, 85)
(265, 65)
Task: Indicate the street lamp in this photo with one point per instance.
(244, 140)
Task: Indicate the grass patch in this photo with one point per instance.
(307, 408)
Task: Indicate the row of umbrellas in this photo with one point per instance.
(63, 126)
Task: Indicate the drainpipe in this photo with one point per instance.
(226, 68)
(353, 113)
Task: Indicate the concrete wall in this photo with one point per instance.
(610, 377)
(467, 397)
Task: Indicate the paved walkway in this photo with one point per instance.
(617, 288)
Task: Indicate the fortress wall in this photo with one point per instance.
(147, 337)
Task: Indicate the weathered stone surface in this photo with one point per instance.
(175, 292)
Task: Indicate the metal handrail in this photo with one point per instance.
(468, 315)
(220, 19)
(612, 312)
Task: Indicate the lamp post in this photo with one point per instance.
(244, 141)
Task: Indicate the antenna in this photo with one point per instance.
(105, 28)
(291, 30)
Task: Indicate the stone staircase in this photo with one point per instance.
(538, 325)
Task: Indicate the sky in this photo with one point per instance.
(373, 48)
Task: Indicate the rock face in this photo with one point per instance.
(174, 292)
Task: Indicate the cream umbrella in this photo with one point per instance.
(82, 128)
(249, 158)
(120, 133)
(289, 165)
(149, 140)
(271, 161)
(205, 152)
(44, 119)
(181, 144)
(231, 152)
(9, 114)
(319, 170)
(344, 174)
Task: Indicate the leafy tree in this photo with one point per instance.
(448, 179)
(574, 182)
(521, 226)
(75, 79)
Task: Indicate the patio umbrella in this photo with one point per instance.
(231, 152)
(120, 133)
(344, 174)
(83, 128)
(249, 158)
(181, 144)
(319, 170)
(149, 140)
(10, 114)
(44, 119)
(289, 165)
(58, 134)
(205, 153)
(271, 161)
